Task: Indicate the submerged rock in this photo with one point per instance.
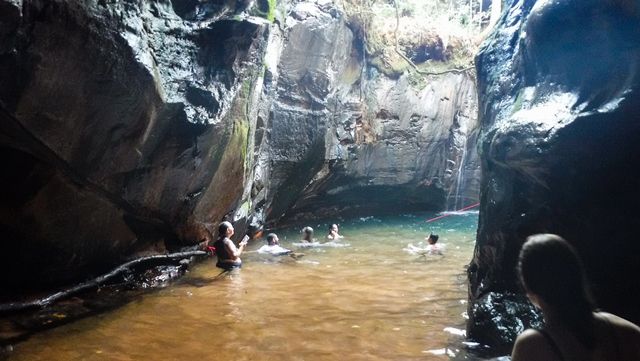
(559, 98)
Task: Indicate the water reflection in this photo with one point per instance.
(369, 300)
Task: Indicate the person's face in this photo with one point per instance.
(334, 228)
(230, 231)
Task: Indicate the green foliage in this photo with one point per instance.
(269, 13)
(435, 34)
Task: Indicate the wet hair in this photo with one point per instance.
(550, 268)
(308, 232)
(271, 237)
(331, 227)
(434, 237)
(222, 229)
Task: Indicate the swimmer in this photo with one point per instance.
(307, 235)
(333, 233)
(432, 248)
(273, 246)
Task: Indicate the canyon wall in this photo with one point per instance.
(136, 126)
(126, 125)
(559, 98)
(341, 130)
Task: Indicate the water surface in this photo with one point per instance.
(370, 300)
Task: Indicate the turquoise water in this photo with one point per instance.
(365, 299)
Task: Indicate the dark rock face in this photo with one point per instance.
(124, 125)
(559, 98)
(341, 131)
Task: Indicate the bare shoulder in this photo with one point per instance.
(531, 345)
(627, 327)
(627, 335)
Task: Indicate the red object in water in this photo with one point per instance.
(459, 210)
(211, 249)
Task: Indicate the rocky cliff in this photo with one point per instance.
(559, 101)
(136, 126)
(341, 130)
(125, 124)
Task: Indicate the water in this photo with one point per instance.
(370, 300)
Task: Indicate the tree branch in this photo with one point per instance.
(45, 301)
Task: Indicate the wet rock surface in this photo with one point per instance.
(125, 127)
(559, 103)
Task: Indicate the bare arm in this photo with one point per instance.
(233, 250)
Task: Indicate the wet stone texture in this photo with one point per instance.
(124, 128)
(559, 98)
(340, 130)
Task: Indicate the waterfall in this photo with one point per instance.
(460, 179)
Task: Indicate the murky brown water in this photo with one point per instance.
(368, 301)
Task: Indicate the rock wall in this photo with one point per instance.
(125, 125)
(340, 130)
(559, 102)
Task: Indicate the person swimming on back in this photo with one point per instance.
(273, 246)
(333, 233)
(227, 252)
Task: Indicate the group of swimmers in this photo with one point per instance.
(228, 253)
(553, 278)
(574, 329)
(274, 248)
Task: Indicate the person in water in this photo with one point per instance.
(227, 252)
(432, 247)
(307, 235)
(273, 246)
(333, 233)
(554, 280)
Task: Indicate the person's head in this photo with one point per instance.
(433, 238)
(225, 229)
(307, 233)
(333, 228)
(553, 277)
(272, 239)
